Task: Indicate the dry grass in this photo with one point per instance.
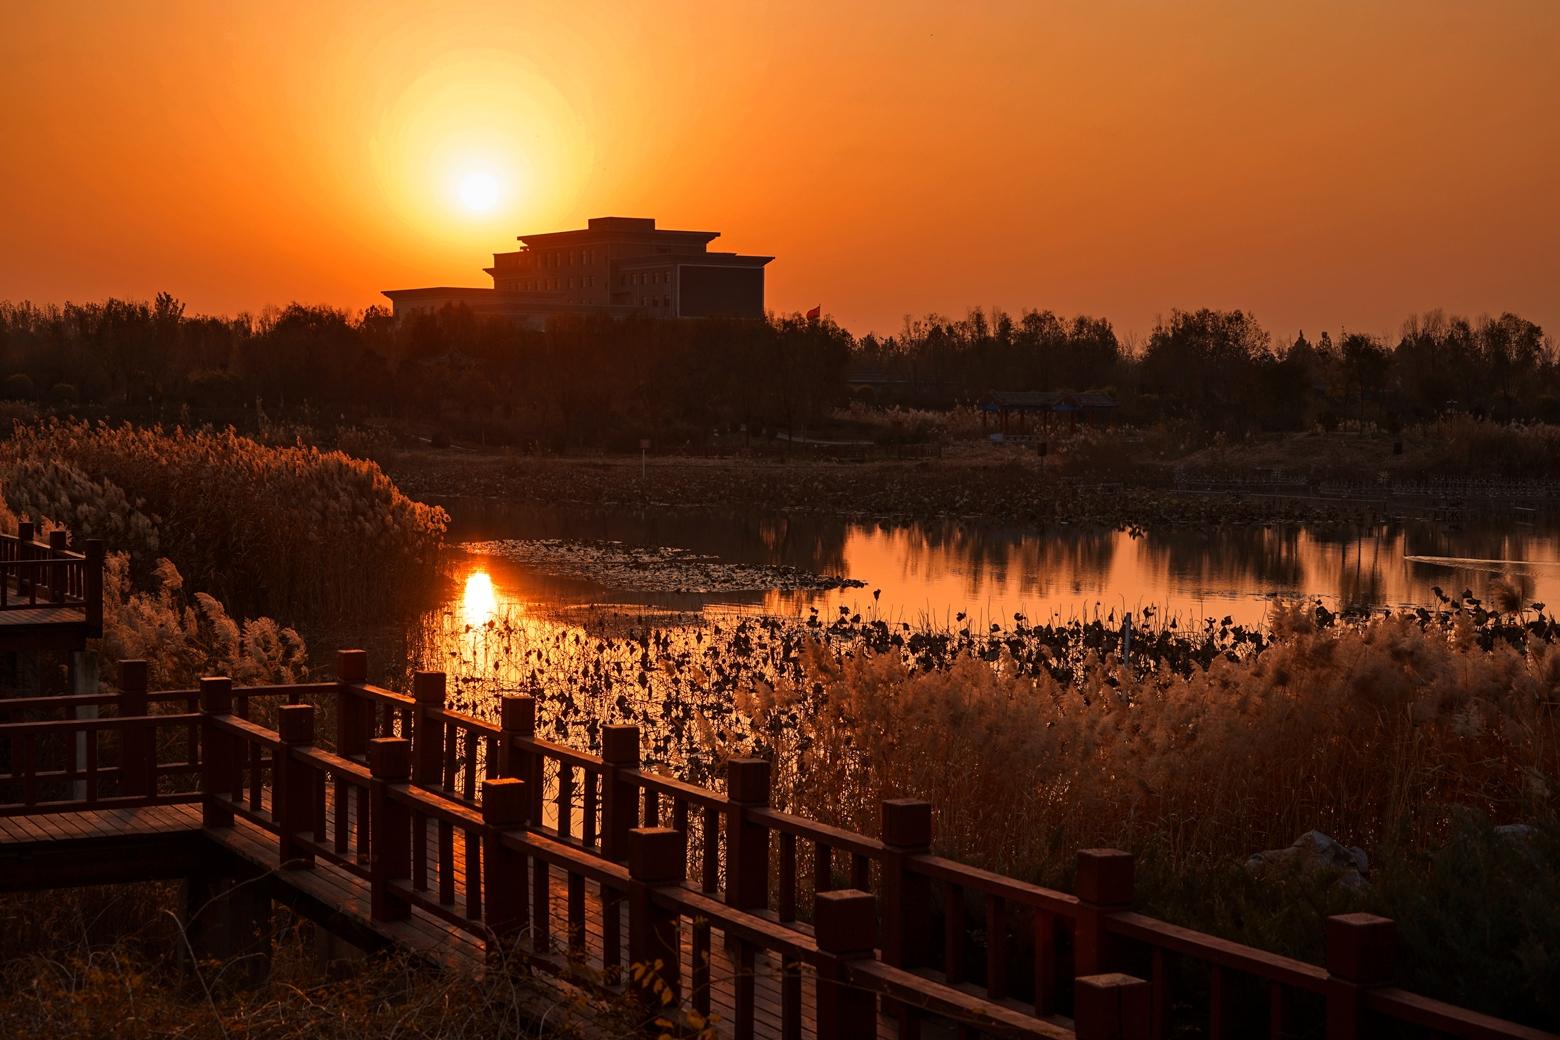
(1377, 734)
(290, 531)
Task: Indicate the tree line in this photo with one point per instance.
(600, 382)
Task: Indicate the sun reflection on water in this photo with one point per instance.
(479, 602)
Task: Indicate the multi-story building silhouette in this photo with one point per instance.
(615, 265)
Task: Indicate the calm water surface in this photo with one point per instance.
(930, 572)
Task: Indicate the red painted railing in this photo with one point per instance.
(36, 574)
(442, 812)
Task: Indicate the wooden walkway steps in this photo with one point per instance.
(455, 838)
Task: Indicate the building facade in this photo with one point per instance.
(615, 265)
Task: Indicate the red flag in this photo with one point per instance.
(815, 313)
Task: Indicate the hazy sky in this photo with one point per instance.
(1321, 163)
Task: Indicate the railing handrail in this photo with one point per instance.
(44, 547)
(1099, 913)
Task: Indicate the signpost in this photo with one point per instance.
(644, 446)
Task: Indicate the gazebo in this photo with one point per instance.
(1013, 409)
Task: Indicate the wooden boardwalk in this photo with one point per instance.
(74, 836)
(471, 843)
(50, 597)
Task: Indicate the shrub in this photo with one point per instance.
(18, 387)
(290, 531)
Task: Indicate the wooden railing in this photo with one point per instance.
(473, 822)
(37, 574)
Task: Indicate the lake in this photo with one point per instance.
(930, 572)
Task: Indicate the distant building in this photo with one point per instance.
(616, 265)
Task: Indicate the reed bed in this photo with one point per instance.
(1412, 736)
(289, 531)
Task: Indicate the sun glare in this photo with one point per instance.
(479, 136)
(479, 601)
(478, 192)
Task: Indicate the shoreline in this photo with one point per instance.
(1020, 491)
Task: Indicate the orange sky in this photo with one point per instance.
(1321, 162)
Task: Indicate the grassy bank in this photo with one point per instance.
(1123, 478)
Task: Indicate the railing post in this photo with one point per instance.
(619, 815)
(354, 716)
(93, 587)
(217, 754)
(907, 896)
(747, 843)
(1111, 1007)
(1104, 887)
(137, 748)
(1360, 950)
(57, 571)
(505, 805)
(619, 796)
(294, 784)
(428, 729)
(390, 820)
(517, 719)
(845, 927)
(655, 858)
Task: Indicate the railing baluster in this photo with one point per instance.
(1045, 962)
(541, 905)
(996, 948)
(861, 872)
(565, 800)
(953, 932)
(473, 844)
(447, 776)
(419, 852)
(339, 805)
(446, 862)
(680, 825)
(743, 986)
(1217, 998)
(91, 766)
(1159, 995)
(787, 904)
(710, 832)
(699, 958)
(588, 819)
(790, 998)
(823, 867)
(576, 897)
(469, 773)
(29, 770)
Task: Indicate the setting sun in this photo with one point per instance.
(478, 192)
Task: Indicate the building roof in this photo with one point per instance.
(629, 227)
